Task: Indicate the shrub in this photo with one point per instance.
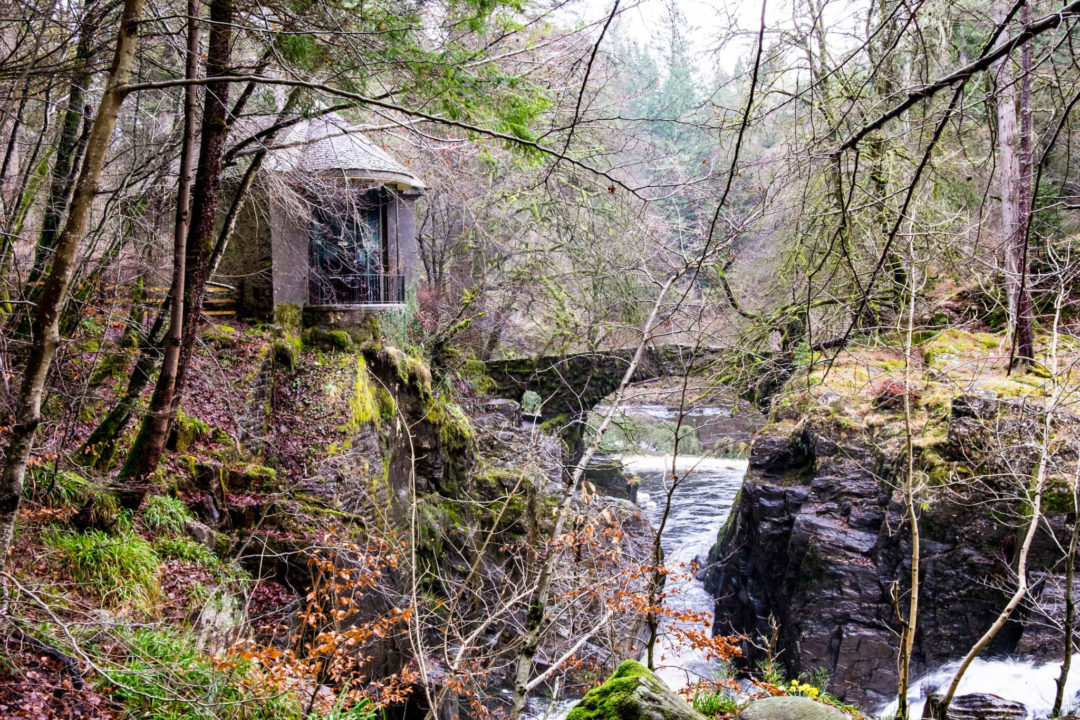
(119, 568)
(164, 513)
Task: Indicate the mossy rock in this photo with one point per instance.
(218, 479)
(189, 430)
(790, 707)
(411, 371)
(328, 339)
(114, 365)
(286, 353)
(252, 478)
(455, 429)
(221, 336)
(955, 345)
(289, 317)
(633, 693)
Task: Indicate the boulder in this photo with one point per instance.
(609, 477)
(790, 707)
(200, 533)
(508, 409)
(633, 693)
(976, 706)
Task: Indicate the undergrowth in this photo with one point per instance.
(166, 678)
(120, 569)
(164, 513)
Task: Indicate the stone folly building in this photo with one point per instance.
(330, 230)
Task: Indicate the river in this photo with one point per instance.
(700, 505)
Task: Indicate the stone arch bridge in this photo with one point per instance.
(571, 385)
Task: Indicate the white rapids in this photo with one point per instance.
(1033, 684)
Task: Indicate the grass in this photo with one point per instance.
(165, 677)
(121, 569)
(711, 703)
(60, 489)
(183, 548)
(167, 514)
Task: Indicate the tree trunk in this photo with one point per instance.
(100, 446)
(1070, 608)
(46, 319)
(1023, 341)
(66, 162)
(1034, 489)
(134, 479)
(1014, 176)
(909, 623)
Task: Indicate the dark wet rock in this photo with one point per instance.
(976, 706)
(508, 410)
(610, 478)
(817, 543)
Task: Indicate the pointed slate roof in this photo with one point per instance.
(327, 144)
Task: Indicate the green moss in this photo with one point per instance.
(952, 345)
(289, 317)
(493, 483)
(555, 424)
(612, 700)
(189, 430)
(252, 478)
(111, 366)
(455, 429)
(1059, 500)
(220, 335)
(412, 371)
(474, 372)
(287, 352)
(328, 339)
(367, 404)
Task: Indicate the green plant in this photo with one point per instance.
(819, 678)
(771, 672)
(711, 703)
(184, 548)
(401, 327)
(530, 402)
(164, 513)
(59, 488)
(121, 568)
(361, 710)
(166, 678)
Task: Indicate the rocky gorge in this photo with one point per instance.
(811, 567)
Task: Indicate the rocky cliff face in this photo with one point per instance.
(817, 548)
(355, 447)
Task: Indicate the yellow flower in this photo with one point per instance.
(813, 692)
